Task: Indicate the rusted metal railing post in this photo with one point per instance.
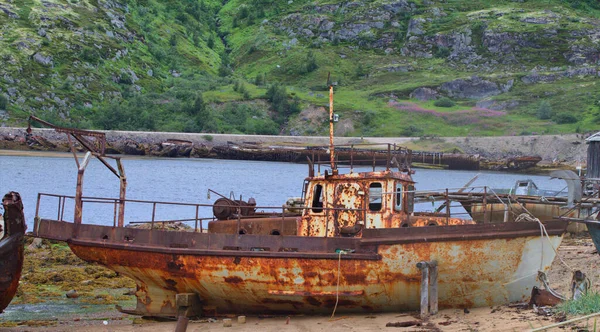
(196, 224)
(282, 219)
(115, 213)
(389, 157)
(485, 210)
(59, 205)
(62, 209)
(351, 158)
(37, 206)
(429, 288)
(153, 215)
(374, 161)
(122, 192)
(239, 220)
(447, 207)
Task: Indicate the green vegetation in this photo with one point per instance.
(444, 102)
(585, 305)
(261, 66)
(544, 111)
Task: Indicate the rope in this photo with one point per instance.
(337, 287)
(529, 217)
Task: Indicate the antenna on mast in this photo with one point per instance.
(331, 146)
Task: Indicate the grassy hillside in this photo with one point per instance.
(401, 68)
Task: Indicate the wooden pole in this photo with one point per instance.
(182, 323)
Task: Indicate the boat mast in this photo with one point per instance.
(331, 147)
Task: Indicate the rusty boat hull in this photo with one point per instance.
(479, 265)
(11, 247)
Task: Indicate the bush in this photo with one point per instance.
(444, 102)
(211, 41)
(259, 80)
(441, 52)
(563, 118)
(544, 111)
(412, 131)
(125, 78)
(90, 55)
(311, 62)
(3, 102)
(277, 95)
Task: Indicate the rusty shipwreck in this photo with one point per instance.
(353, 243)
(12, 230)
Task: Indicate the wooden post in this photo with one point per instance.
(188, 304)
(182, 323)
(424, 267)
(433, 294)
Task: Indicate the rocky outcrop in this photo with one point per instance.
(475, 88)
(424, 94)
(537, 77)
(366, 27)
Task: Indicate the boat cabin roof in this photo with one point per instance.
(368, 176)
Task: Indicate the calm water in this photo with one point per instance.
(188, 180)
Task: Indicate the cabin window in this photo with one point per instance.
(410, 199)
(317, 202)
(375, 193)
(398, 197)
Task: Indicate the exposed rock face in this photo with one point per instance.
(424, 94)
(497, 105)
(535, 77)
(365, 28)
(9, 11)
(474, 88)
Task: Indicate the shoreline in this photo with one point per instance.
(489, 153)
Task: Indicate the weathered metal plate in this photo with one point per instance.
(543, 211)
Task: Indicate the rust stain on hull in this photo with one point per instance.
(471, 273)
